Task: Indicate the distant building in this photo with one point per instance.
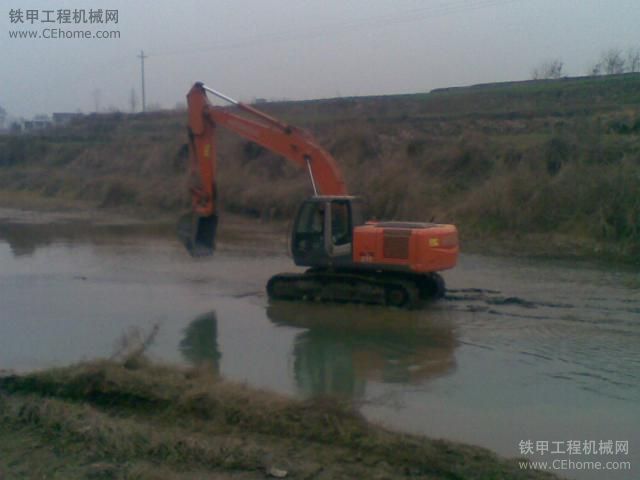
(39, 122)
(64, 118)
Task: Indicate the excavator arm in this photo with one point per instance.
(198, 230)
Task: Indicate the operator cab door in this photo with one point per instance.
(323, 233)
(341, 233)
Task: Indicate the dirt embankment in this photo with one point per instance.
(551, 164)
(134, 420)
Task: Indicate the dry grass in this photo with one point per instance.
(107, 420)
(548, 157)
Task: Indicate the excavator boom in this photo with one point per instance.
(198, 230)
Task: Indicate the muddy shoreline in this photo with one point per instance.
(132, 419)
(273, 234)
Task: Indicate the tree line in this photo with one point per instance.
(611, 62)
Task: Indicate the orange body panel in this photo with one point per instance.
(421, 248)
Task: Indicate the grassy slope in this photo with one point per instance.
(557, 160)
(135, 420)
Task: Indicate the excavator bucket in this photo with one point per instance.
(198, 233)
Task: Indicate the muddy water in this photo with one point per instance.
(519, 350)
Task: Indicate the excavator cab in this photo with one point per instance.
(322, 234)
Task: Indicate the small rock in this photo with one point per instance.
(277, 472)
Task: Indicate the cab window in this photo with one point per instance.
(340, 222)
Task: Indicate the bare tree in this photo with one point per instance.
(596, 69)
(633, 59)
(612, 62)
(548, 69)
(133, 100)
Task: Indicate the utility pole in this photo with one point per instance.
(142, 56)
(96, 99)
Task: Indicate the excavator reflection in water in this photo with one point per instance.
(344, 348)
(200, 343)
(341, 349)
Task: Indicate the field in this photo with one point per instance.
(548, 167)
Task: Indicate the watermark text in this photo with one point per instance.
(589, 454)
(64, 24)
(19, 16)
(59, 33)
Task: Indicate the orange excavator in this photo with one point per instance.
(348, 259)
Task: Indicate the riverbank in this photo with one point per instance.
(26, 208)
(132, 419)
(541, 331)
(550, 167)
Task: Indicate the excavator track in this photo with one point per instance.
(395, 290)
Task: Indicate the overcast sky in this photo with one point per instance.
(297, 49)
